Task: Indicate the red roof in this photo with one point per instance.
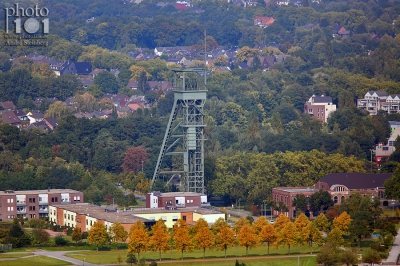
(181, 6)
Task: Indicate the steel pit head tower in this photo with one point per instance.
(186, 126)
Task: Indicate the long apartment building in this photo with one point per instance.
(35, 203)
(85, 215)
(374, 101)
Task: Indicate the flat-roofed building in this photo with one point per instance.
(35, 203)
(158, 199)
(85, 215)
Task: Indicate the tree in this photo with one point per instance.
(182, 239)
(204, 238)
(259, 224)
(76, 234)
(392, 185)
(159, 240)
(107, 82)
(287, 234)
(342, 222)
(143, 84)
(302, 225)
(131, 258)
(322, 222)
(314, 235)
(40, 235)
(134, 158)
(281, 220)
(138, 239)
(372, 256)
(348, 257)
(225, 238)
(97, 235)
(300, 202)
(335, 237)
(118, 233)
(57, 109)
(268, 234)
(242, 221)
(328, 255)
(321, 200)
(247, 237)
(361, 225)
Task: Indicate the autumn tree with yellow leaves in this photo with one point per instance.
(269, 235)
(287, 234)
(138, 239)
(247, 237)
(118, 233)
(182, 240)
(204, 238)
(160, 238)
(97, 235)
(342, 222)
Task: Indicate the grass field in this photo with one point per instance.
(38, 260)
(14, 255)
(112, 256)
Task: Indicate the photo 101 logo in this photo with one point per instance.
(29, 19)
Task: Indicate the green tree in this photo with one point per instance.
(118, 233)
(392, 185)
(300, 202)
(372, 256)
(107, 82)
(361, 225)
(348, 257)
(320, 201)
(131, 258)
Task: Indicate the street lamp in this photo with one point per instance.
(393, 206)
(264, 208)
(84, 261)
(372, 151)
(239, 203)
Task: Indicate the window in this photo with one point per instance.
(10, 209)
(77, 198)
(164, 218)
(391, 143)
(385, 148)
(189, 201)
(174, 218)
(32, 200)
(10, 216)
(335, 199)
(10, 200)
(87, 222)
(184, 217)
(32, 208)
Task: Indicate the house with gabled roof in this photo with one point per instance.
(372, 101)
(9, 117)
(83, 68)
(35, 116)
(40, 124)
(51, 122)
(8, 105)
(119, 100)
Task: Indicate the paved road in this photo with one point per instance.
(394, 252)
(61, 256)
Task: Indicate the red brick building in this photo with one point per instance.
(157, 199)
(339, 185)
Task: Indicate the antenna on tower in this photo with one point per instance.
(205, 58)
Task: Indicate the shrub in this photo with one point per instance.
(60, 241)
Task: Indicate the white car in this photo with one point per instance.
(271, 221)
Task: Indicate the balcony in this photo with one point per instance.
(65, 202)
(21, 203)
(43, 203)
(43, 210)
(21, 211)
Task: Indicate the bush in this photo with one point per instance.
(60, 241)
(153, 263)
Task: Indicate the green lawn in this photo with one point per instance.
(110, 257)
(14, 255)
(252, 262)
(38, 260)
